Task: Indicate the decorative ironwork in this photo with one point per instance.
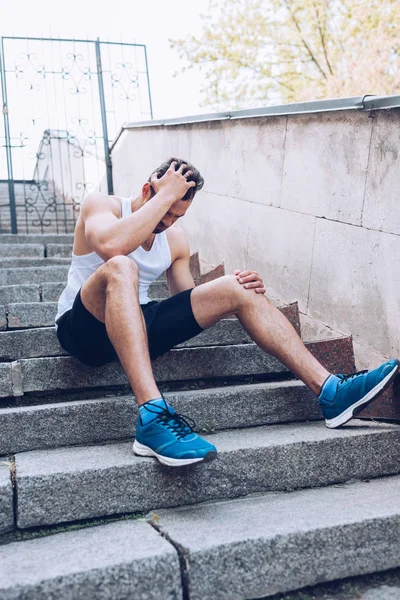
(78, 92)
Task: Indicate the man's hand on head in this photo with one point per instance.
(173, 183)
(250, 280)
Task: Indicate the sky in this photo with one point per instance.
(149, 22)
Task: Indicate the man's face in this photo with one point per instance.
(177, 210)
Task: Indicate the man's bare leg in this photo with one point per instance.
(265, 324)
(111, 294)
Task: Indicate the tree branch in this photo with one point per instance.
(322, 39)
(314, 60)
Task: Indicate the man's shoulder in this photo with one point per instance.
(99, 202)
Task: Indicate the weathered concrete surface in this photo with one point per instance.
(6, 497)
(66, 484)
(41, 374)
(5, 380)
(59, 250)
(114, 418)
(51, 291)
(36, 238)
(218, 226)
(381, 208)
(325, 165)
(22, 250)
(31, 314)
(289, 175)
(3, 318)
(30, 343)
(360, 292)
(284, 266)
(33, 275)
(120, 560)
(383, 592)
(183, 364)
(19, 293)
(9, 263)
(256, 547)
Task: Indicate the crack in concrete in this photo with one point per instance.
(298, 212)
(311, 266)
(366, 172)
(183, 556)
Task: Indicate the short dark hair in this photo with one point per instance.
(195, 176)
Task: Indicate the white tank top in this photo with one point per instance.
(150, 263)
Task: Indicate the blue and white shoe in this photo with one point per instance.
(169, 436)
(342, 396)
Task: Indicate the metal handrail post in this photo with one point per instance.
(11, 191)
(148, 82)
(107, 152)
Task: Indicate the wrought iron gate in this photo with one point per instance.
(64, 100)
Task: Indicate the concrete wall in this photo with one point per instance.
(310, 201)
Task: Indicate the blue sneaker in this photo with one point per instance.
(342, 396)
(167, 435)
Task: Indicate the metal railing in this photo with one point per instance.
(63, 102)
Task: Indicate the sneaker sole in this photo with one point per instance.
(363, 402)
(142, 450)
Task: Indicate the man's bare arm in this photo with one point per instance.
(110, 236)
(179, 277)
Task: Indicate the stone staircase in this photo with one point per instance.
(289, 503)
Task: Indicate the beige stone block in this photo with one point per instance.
(355, 284)
(325, 165)
(382, 194)
(218, 227)
(280, 249)
(243, 159)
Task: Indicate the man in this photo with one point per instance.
(120, 247)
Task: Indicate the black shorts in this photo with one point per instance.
(168, 323)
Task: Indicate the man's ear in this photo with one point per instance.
(147, 191)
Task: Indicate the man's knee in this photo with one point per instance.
(238, 292)
(231, 289)
(121, 267)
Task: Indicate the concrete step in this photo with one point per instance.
(178, 365)
(259, 546)
(70, 484)
(18, 276)
(51, 291)
(43, 341)
(20, 293)
(36, 238)
(6, 498)
(11, 263)
(59, 250)
(22, 251)
(114, 418)
(24, 315)
(31, 314)
(126, 559)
